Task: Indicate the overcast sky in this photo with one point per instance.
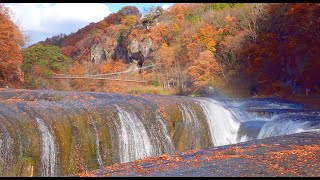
(43, 20)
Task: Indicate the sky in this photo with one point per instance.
(42, 20)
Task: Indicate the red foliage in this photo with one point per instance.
(286, 56)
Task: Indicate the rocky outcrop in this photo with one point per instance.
(102, 51)
(153, 14)
(97, 54)
(133, 51)
(145, 47)
(140, 50)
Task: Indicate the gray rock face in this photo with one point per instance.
(145, 47)
(97, 54)
(136, 50)
(102, 51)
(139, 50)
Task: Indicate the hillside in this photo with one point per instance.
(199, 49)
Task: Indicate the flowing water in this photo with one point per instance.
(135, 142)
(222, 124)
(168, 147)
(96, 137)
(128, 128)
(48, 150)
(192, 124)
(6, 147)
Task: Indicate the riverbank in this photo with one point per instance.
(289, 155)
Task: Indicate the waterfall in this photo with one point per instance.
(192, 124)
(135, 143)
(130, 128)
(96, 137)
(169, 147)
(223, 126)
(6, 151)
(287, 124)
(48, 150)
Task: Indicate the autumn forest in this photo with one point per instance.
(188, 89)
(197, 49)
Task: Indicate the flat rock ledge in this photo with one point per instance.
(288, 155)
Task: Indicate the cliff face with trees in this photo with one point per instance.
(235, 48)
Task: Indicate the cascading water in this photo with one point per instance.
(135, 143)
(159, 137)
(222, 124)
(169, 147)
(131, 128)
(285, 124)
(262, 118)
(48, 150)
(191, 123)
(96, 137)
(6, 148)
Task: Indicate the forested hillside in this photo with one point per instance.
(236, 49)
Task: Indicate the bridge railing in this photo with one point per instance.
(108, 76)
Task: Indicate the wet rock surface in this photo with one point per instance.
(288, 155)
(58, 133)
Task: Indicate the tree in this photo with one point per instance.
(11, 39)
(39, 62)
(113, 66)
(165, 64)
(204, 69)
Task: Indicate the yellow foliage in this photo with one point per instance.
(129, 20)
(175, 28)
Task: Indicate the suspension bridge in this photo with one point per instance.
(127, 76)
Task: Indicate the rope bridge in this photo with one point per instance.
(117, 76)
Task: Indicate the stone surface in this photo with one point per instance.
(289, 155)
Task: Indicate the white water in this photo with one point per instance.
(192, 124)
(168, 145)
(284, 125)
(48, 151)
(6, 150)
(134, 140)
(222, 124)
(96, 138)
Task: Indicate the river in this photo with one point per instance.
(55, 133)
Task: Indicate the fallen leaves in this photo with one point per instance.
(275, 162)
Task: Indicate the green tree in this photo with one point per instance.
(45, 60)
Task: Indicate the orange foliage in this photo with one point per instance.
(77, 69)
(11, 39)
(204, 69)
(165, 57)
(135, 33)
(160, 34)
(203, 40)
(113, 66)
